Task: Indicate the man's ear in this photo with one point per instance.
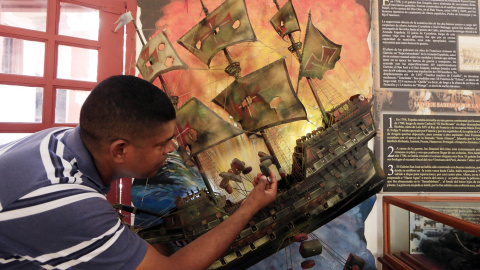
(118, 150)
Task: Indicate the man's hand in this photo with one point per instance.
(202, 252)
(263, 193)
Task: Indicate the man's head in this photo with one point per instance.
(125, 111)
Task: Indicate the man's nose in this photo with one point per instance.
(169, 148)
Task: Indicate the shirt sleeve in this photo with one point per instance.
(73, 228)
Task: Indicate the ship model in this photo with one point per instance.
(332, 168)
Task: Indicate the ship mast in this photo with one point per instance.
(205, 178)
(295, 48)
(233, 69)
(173, 99)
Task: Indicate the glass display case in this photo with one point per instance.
(427, 232)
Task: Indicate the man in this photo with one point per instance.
(53, 212)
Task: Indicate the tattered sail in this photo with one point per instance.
(198, 128)
(225, 26)
(157, 57)
(285, 20)
(332, 168)
(262, 99)
(319, 53)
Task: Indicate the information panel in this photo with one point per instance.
(427, 104)
(419, 43)
(432, 153)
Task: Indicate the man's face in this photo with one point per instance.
(150, 154)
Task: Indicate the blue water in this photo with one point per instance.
(160, 192)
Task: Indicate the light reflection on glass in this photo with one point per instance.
(77, 63)
(68, 104)
(21, 57)
(78, 21)
(10, 137)
(30, 14)
(21, 104)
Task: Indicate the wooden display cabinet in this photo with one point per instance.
(427, 232)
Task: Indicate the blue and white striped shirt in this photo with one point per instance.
(53, 211)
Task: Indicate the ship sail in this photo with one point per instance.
(332, 168)
(262, 99)
(198, 128)
(157, 57)
(319, 53)
(227, 25)
(285, 20)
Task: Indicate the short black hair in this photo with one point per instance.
(123, 107)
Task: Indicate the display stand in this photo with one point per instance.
(413, 223)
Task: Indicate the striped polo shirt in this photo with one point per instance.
(53, 211)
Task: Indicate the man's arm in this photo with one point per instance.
(202, 252)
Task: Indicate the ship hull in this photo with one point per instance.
(243, 256)
(333, 171)
(274, 231)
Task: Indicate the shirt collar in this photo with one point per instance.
(84, 159)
